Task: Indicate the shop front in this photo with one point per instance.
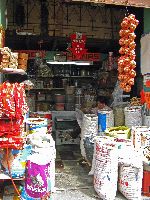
(73, 124)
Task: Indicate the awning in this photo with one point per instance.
(134, 3)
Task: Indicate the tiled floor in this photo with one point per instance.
(72, 179)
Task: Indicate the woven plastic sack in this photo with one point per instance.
(89, 129)
(89, 149)
(130, 182)
(42, 144)
(98, 139)
(37, 181)
(140, 136)
(133, 116)
(106, 170)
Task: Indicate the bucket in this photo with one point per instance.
(105, 120)
(101, 122)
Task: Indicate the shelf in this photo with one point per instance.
(62, 76)
(47, 89)
(7, 177)
(77, 76)
(12, 71)
(43, 100)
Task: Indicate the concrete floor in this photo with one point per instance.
(74, 183)
(72, 179)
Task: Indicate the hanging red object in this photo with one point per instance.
(78, 41)
(13, 107)
(126, 62)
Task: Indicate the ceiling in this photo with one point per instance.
(134, 3)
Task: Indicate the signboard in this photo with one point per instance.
(85, 57)
(32, 54)
(77, 51)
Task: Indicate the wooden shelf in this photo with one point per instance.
(47, 89)
(12, 71)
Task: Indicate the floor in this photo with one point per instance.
(72, 179)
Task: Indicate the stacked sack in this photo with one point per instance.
(130, 181)
(133, 116)
(88, 132)
(106, 169)
(140, 136)
(120, 152)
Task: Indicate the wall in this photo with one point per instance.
(95, 21)
(146, 20)
(2, 12)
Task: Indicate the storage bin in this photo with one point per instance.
(59, 106)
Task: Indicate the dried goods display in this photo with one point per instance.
(126, 62)
(13, 107)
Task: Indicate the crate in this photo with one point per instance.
(146, 183)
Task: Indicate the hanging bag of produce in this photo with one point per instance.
(37, 177)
